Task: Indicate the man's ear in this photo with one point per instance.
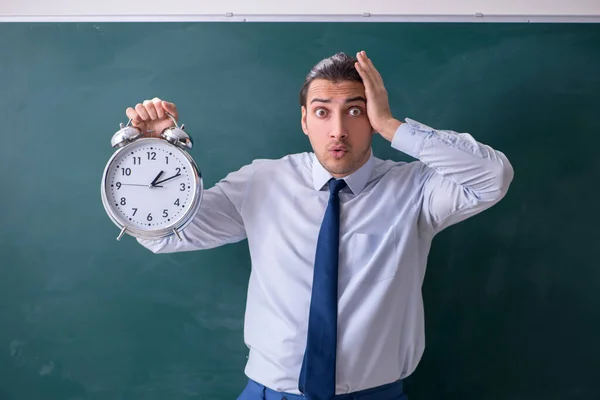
(304, 125)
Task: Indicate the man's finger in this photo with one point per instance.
(150, 109)
(364, 65)
(141, 110)
(363, 74)
(374, 73)
(371, 70)
(170, 108)
(364, 62)
(133, 116)
(160, 111)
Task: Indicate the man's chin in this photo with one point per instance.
(338, 167)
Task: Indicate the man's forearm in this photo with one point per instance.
(389, 128)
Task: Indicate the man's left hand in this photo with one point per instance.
(378, 106)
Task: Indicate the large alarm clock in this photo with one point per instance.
(151, 186)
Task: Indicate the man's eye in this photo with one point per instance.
(319, 112)
(355, 111)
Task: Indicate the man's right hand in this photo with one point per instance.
(151, 116)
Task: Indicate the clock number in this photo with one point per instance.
(118, 184)
(182, 187)
(137, 160)
(178, 171)
(167, 159)
(151, 155)
(149, 217)
(126, 171)
(123, 201)
(165, 213)
(134, 211)
(176, 202)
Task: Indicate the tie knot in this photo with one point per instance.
(335, 185)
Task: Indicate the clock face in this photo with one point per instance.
(150, 185)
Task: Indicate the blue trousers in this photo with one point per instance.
(391, 391)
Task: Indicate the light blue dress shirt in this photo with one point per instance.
(390, 212)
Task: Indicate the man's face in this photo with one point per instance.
(335, 120)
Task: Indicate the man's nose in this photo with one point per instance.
(338, 130)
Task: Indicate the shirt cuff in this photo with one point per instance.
(410, 136)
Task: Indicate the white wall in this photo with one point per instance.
(301, 10)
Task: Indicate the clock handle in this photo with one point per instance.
(174, 120)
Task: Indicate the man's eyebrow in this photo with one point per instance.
(357, 98)
(320, 100)
(349, 100)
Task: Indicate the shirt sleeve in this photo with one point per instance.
(218, 220)
(461, 177)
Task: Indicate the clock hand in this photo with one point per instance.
(168, 179)
(136, 184)
(153, 183)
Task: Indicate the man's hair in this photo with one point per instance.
(337, 68)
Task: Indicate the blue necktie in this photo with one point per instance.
(317, 375)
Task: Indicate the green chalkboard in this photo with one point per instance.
(512, 295)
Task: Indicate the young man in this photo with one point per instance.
(338, 238)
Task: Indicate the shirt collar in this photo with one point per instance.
(356, 181)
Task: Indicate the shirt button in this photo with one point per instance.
(284, 398)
